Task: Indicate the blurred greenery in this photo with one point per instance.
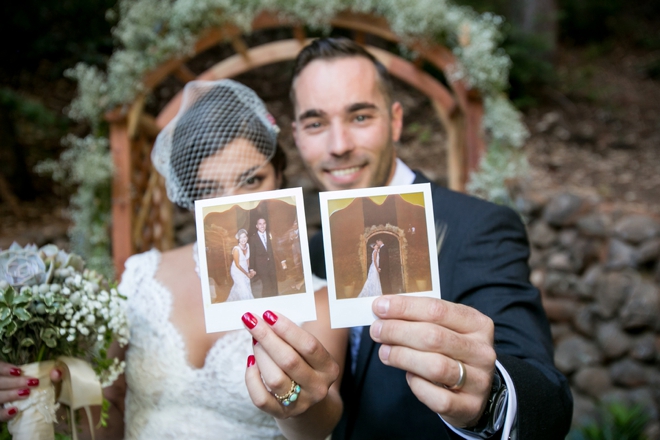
(614, 421)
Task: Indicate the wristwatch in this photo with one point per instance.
(492, 419)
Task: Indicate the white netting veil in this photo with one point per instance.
(215, 116)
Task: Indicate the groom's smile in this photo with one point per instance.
(344, 128)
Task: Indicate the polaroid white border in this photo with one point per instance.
(298, 307)
(357, 311)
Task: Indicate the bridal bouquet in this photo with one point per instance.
(54, 312)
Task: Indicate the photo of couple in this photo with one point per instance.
(261, 259)
(392, 252)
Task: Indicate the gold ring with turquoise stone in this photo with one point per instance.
(291, 396)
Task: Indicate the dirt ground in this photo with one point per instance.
(597, 134)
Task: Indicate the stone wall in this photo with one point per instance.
(598, 270)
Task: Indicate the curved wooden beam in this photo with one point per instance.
(285, 50)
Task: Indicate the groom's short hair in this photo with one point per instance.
(336, 48)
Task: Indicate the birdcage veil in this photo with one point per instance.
(213, 114)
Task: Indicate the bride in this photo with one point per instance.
(372, 285)
(181, 382)
(239, 271)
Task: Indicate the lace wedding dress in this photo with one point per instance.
(242, 288)
(372, 285)
(167, 398)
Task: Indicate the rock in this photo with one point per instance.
(643, 348)
(560, 331)
(643, 397)
(628, 373)
(648, 252)
(576, 352)
(537, 277)
(613, 342)
(561, 261)
(642, 307)
(584, 133)
(585, 252)
(611, 293)
(547, 122)
(593, 381)
(559, 310)
(530, 204)
(567, 237)
(561, 284)
(561, 133)
(636, 228)
(620, 255)
(584, 410)
(562, 210)
(536, 258)
(594, 225)
(589, 281)
(585, 320)
(541, 235)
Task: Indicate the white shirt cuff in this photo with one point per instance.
(511, 408)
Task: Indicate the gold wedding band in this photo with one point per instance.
(461, 377)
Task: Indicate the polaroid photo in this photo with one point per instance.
(253, 257)
(378, 241)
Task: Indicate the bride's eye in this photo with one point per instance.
(253, 181)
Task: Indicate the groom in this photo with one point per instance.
(262, 260)
(480, 357)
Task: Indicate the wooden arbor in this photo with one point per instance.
(141, 213)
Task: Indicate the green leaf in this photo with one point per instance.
(22, 314)
(4, 313)
(51, 343)
(9, 296)
(27, 342)
(11, 328)
(23, 298)
(5, 322)
(7, 349)
(48, 333)
(49, 300)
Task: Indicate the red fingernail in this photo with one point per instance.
(33, 382)
(25, 392)
(254, 341)
(15, 372)
(251, 360)
(12, 411)
(249, 320)
(270, 317)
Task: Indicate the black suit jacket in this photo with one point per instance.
(482, 264)
(262, 259)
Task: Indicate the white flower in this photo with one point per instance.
(71, 338)
(90, 319)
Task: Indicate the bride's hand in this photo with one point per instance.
(284, 352)
(15, 386)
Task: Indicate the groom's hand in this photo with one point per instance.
(426, 337)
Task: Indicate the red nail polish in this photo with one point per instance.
(249, 320)
(12, 411)
(250, 361)
(33, 382)
(15, 372)
(254, 341)
(25, 392)
(270, 317)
